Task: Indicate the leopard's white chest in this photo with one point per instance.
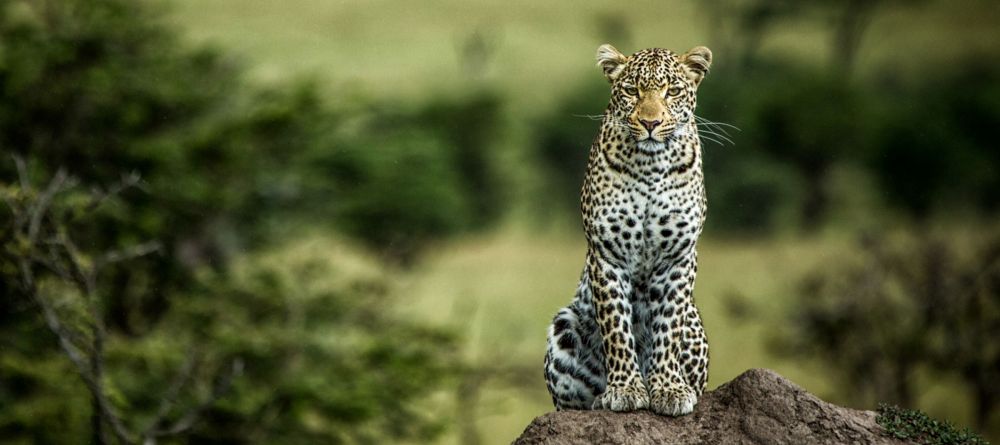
(645, 221)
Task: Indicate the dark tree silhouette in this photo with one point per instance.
(38, 244)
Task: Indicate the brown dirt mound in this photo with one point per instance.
(758, 407)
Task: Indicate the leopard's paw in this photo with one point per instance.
(672, 400)
(623, 398)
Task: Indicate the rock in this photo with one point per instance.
(758, 407)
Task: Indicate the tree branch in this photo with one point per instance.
(188, 420)
(22, 172)
(184, 376)
(40, 242)
(130, 253)
(94, 385)
(41, 206)
(128, 181)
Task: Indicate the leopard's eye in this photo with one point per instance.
(630, 90)
(673, 91)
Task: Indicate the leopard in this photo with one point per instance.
(632, 337)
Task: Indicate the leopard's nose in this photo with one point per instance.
(650, 125)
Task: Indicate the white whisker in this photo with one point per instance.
(708, 130)
(717, 135)
(702, 120)
(713, 128)
(715, 131)
(709, 138)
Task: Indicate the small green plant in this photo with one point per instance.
(918, 427)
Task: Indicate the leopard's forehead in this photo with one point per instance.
(653, 68)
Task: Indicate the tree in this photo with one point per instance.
(39, 255)
(905, 306)
(269, 351)
(99, 87)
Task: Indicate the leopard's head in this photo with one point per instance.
(653, 91)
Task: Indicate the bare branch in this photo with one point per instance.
(136, 251)
(51, 249)
(188, 420)
(82, 276)
(128, 181)
(54, 263)
(94, 385)
(41, 206)
(22, 172)
(184, 376)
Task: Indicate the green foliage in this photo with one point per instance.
(563, 144)
(325, 359)
(103, 88)
(469, 124)
(916, 426)
(844, 315)
(320, 356)
(797, 123)
(399, 177)
(936, 145)
(36, 397)
(810, 121)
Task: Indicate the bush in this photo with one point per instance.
(326, 361)
(916, 426)
(563, 145)
(401, 177)
(935, 149)
(905, 306)
(313, 352)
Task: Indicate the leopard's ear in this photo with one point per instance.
(611, 61)
(697, 61)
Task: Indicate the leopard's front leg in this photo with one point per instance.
(610, 288)
(678, 364)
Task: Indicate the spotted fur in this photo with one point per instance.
(632, 337)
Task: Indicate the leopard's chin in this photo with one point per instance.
(651, 145)
(654, 142)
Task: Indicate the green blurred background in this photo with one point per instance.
(372, 206)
